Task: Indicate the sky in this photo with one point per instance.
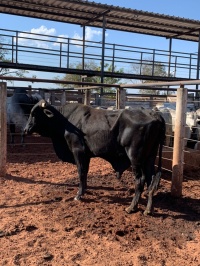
(178, 8)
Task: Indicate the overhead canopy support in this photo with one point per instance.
(118, 18)
(83, 58)
(198, 63)
(187, 32)
(170, 53)
(95, 18)
(103, 48)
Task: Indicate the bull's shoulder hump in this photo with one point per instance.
(141, 115)
(69, 108)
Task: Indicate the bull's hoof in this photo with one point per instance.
(148, 212)
(78, 197)
(118, 175)
(131, 210)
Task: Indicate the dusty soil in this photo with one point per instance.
(41, 223)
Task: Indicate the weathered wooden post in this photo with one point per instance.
(151, 101)
(87, 97)
(96, 96)
(3, 129)
(63, 98)
(80, 96)
(178, 153)
(120, 98)
(52, 97)
(42, 93)
(29, 89)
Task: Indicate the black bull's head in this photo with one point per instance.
(38, 120)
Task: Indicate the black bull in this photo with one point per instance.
(123, 138)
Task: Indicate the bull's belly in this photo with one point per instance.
(116, 157)
(101, 144)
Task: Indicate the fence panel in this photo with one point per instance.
(112, 100)
(47, 51)
(3, 131)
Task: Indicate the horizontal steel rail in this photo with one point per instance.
(56, 54)
(93, 85)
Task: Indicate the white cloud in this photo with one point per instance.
(61, 38)
(77, 39)
(90, 33)
(26, 38)
(43, 30)
(42, 40)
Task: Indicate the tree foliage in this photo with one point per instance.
(91, 65)
(148, 69)
(7, 71)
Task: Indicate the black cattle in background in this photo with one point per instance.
(122, 137)
(19, 106)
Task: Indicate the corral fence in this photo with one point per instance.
(185, 101)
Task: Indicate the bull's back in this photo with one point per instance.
(96, 125)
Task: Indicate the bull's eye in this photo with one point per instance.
(48, 113)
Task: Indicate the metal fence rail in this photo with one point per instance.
(58, 53)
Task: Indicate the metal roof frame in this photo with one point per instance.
(86, 13)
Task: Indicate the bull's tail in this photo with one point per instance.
(160, 157)
(162, 140)
(156, 178)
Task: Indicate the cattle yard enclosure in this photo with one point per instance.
(174, 158)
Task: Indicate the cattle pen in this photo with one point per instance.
(178, 150)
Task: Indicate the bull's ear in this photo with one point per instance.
(48, 113)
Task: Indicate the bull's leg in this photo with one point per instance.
(119, 174)
(22, 139)
(12, 132)
(139, 187)
(151, 189)
(87, 163)
(82, 186)
(83, 167)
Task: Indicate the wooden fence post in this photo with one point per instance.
(120, 98)
(52, 98)
(63, 98)
(3, 129)
(87, 97)
(80, 96)
(178, 153)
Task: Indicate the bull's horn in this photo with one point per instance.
(43, 103)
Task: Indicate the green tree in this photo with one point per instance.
(91, 65)
(7, 71)
(148, 69)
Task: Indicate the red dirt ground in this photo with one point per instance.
(41, 223)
